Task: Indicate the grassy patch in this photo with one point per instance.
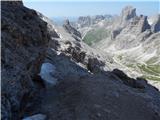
(155, 68)
(96, 35)
(130, 65)
(152, 60)
(154, 78)
(151, 72)
(147, 70)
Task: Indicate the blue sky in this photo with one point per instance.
(68, 8)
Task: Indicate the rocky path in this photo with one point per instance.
(96, 98)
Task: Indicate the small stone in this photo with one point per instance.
(106, 110)
(97, 106)
(36, 117)
(99, 115)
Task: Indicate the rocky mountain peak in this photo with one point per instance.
(128, 12)
(70, 29)
(155, 27)
(84, 21)
(66, 22)
(143, 23)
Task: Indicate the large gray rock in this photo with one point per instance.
(24, 42)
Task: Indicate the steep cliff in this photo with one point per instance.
(24, 41)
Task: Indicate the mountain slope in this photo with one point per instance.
(133, 44)
(78, 82)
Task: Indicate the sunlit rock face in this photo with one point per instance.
(127, 13)
(155, 26)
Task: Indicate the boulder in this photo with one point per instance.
(47, 74)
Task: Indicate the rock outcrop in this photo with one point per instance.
(71, 30)
(143, 24)
(115, 32)
(130, 23)
(24, 43)
(128, 12)
(155, 27)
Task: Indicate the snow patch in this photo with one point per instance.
(47, 73)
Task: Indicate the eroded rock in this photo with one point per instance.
(128, 12)
(155, 27)
(24, 42)
(71, 30)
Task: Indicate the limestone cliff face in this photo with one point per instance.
(156, 24)
(143, 24)
(24, 42)
(76, 34)
(128, 13)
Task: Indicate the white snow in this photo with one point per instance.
(47, 73)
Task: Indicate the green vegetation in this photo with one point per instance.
(151, 72)
(152, 60)
(150, 69)
(96, 35)
(155, 68)
(154, 78)
(130, 65)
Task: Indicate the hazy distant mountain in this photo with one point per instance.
(60, 20)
